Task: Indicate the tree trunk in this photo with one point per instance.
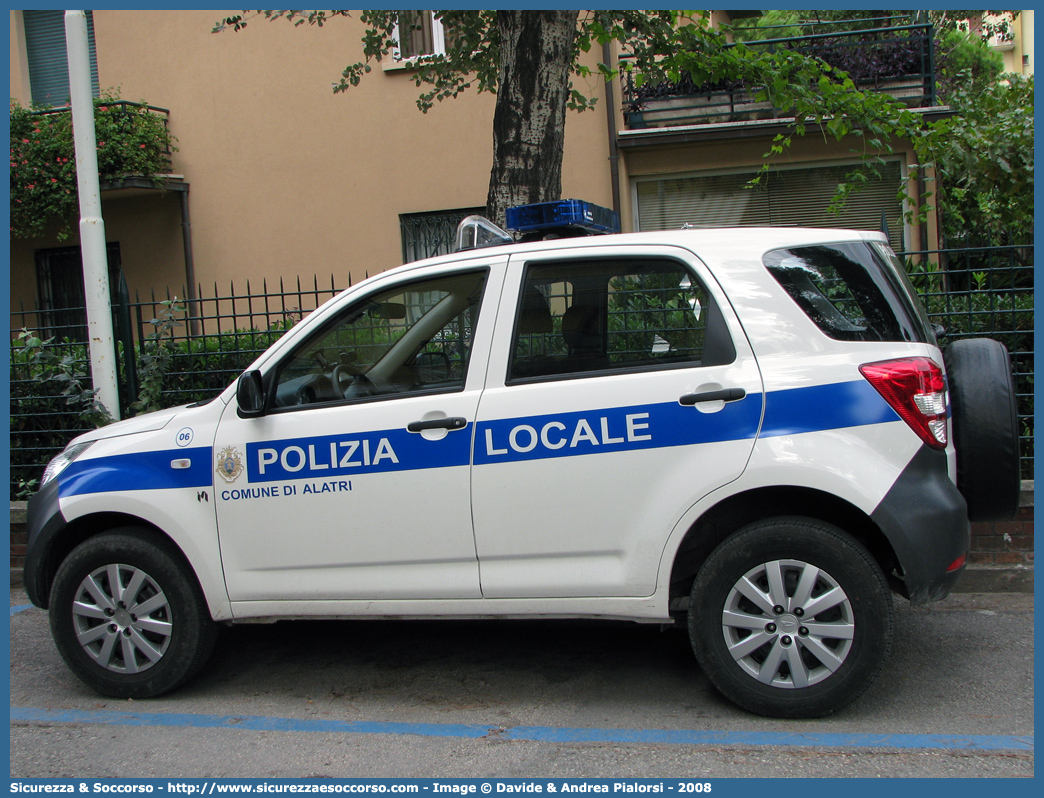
(536, 49)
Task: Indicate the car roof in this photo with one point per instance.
(743, 242)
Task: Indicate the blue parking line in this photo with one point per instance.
(20, 608)
(531, 733)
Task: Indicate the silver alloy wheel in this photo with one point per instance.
(122, 618)
(788, 624)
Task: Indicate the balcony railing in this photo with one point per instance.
(896, 60)
(128, 108)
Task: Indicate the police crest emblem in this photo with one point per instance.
(229, 464)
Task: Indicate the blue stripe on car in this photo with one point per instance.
(138, 471)
(789, 412)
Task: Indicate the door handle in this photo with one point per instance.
(724, 395)
(438, 423)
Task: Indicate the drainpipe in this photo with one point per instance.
(190, 268)
(610, 118)
(92, 228)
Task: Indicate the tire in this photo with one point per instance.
(804, 667)
(985, 427)
(106, 639)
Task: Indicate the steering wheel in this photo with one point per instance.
(351, 382)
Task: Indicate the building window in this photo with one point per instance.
(425, 235)
(786, 197)
(48, 61)
(59, 279)
(418, 33)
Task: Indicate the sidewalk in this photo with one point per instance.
(996, 579)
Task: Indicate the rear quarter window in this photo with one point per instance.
(851, 292)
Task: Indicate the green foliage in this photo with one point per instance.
(47, 377)
(984, 157)
(197, 369)
(791, 22)
(965, 63)
(131, 140)
(472, 57)
(25, 489)
(64, 372)
(155, 357)
(669, 45)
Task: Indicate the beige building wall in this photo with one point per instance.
(1018, 52)
(19, 71)
(288, 179)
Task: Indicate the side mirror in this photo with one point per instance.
(250, 395)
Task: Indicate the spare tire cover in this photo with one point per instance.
(985, 427)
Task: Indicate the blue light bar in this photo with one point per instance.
(562, 213)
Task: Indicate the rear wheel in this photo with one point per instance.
(128, 617)
(791, 618)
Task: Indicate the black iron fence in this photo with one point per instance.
(981, 292)
(211, 340)
(986, 293)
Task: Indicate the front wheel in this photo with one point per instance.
(791, 618)
(128, 617)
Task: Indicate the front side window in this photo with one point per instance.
(410, 339)
(582, 317)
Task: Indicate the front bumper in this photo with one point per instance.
(925, 518)
(44, 520)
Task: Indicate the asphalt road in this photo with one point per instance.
(516, 699)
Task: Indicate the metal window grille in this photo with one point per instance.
(425, 235)
(59, 281)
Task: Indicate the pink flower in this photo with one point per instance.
(25, 141)
(142, 146)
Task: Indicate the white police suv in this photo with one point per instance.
(753, 432)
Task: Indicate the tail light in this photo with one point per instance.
(916, 390)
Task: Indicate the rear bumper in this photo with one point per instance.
(925, 518)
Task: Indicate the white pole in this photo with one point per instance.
(92, 228)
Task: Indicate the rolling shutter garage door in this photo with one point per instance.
(785, 198)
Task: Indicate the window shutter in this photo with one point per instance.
(785, 198)
(48, 62)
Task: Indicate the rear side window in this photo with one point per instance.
(582, 317)
(850, 292)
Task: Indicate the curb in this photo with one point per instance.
(996, 579)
